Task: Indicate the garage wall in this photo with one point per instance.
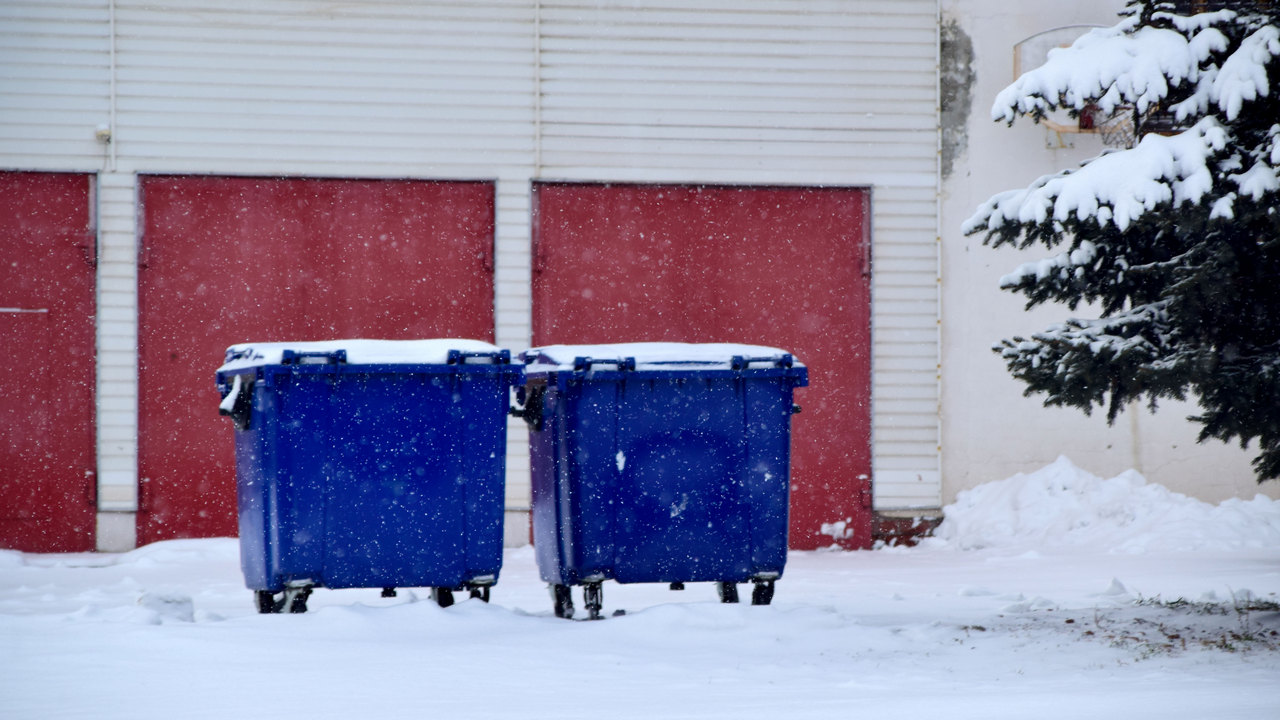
(841, 92)
(750, 92)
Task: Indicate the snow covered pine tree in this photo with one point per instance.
(1176, 240)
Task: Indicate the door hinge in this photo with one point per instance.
(89, 249)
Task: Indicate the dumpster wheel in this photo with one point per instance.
(442, 596)
(728, 592)
(593, 598)
(562, 596)
(292, 600)
(763, 592)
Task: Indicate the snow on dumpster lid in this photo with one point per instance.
(358, 352)
(649, 354)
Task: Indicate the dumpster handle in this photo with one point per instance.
(238, 403)
(742, 362)
(532, 400)
(459, 357)
(585, 363)
(321, 357)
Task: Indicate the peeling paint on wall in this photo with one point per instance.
(956, 89)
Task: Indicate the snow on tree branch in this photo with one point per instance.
(1065, 361)
(1110, 67)
(1243, 76)
(1118, 187)
(1071, 261)
(1142, 67)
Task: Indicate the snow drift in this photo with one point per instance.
(1062, 506)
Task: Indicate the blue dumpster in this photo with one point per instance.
(368, 463)
(659, 462)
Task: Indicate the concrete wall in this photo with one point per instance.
(990, 431)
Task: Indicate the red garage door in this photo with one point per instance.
(229, 260)
(47, 252)
(785, 267)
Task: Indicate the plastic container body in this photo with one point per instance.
(374, 475)
(661, 473)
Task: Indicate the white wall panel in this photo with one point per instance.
(906, 364)
(55, 78)
(117, 344)
(299, 87)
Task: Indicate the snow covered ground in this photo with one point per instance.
(1051, 595)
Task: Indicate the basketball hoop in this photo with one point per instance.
(1115, 129)
(1032, 52)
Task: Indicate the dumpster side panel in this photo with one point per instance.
(575, 480)
(256, 463)
(591, 429)
(253, 493)
(545, 450)
(681, 503)
(767, 472)
(300, 463)
(484, 425)
(280, 469)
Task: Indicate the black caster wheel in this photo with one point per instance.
(763, 592)
(267, 603)
(295, 599)
(593, 598)
(562, 596)
(292, 600)
(480, 593)
(728, 592)
(442, 596)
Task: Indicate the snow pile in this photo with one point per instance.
(1062, 506)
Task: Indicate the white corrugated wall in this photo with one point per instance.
(55, 78)
(839, 92)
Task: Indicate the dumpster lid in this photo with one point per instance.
(650, 355)
(357, 352)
